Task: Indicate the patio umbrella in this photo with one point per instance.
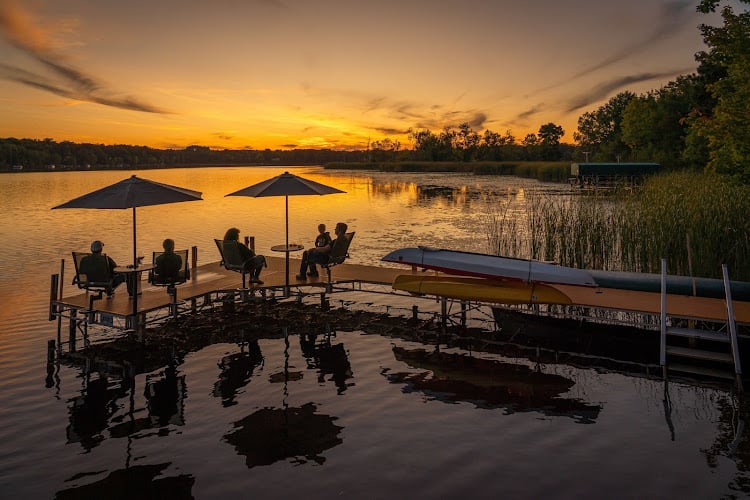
(286, 185)
(131, 193)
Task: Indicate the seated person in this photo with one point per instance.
(323, 239)
(251, 262)
(168, 264)
(101, 268)
(319, 255)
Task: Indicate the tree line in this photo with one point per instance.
(699, 121)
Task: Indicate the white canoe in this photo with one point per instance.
(489, 266)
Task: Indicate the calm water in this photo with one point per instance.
(363, 417)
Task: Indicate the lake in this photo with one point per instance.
(360, 416)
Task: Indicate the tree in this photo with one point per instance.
(385, 150)
(600, 131)
(467, 142)
(655, 125)
(549, 138)
(425, 144)
(726, 129)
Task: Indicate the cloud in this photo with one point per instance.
(671, 18)
(19, 28)
(529, 112)
(603, 90)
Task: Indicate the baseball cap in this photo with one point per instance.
(96, 246)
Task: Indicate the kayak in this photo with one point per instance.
(489, 266)
(676, 285)
(480, 289)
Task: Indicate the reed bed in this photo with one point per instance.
(696, 221)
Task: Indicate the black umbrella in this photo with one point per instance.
(286, 185)
(131, 193)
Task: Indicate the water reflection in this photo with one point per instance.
(95, 410)
(165, 397)
(89, 413)
(236, 371)
(327, 359)
(273, 434)
(490, 384)
(133, 482)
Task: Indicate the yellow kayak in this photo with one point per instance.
(480, 289)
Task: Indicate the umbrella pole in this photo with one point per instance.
(134, 281)
(286, 287)
(135, 251)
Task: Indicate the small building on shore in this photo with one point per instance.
(610, 174)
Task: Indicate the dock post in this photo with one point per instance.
(463, 314)
(323, 301)
(50, 351)
(72, 330)
(49, 381)
(53, 285)
(194, 263)
(415, 312)
(443, 314)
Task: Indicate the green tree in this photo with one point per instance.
(655, 125)
(600, 131)
(726, 130)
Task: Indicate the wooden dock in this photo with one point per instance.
(212, 278)
(209, 283)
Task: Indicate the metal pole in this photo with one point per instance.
(663, 336)
(135, 250)
(194, 263)
(286, 253)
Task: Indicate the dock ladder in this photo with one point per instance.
(713, 362)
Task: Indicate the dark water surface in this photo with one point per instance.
(357, 415)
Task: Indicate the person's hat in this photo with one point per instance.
(96, 246)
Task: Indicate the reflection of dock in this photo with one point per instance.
(492, 384)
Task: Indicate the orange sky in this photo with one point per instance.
(327, 73)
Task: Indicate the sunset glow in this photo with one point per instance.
(282, 74)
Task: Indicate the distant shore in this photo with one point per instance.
(550, 171)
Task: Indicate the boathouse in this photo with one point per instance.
(609, 174)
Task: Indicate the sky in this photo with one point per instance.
(282, 74)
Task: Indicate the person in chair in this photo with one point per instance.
(168, 264)
(320, 255)
(253, 263)
(99, 267)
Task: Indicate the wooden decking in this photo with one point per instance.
(699, 308)
(213, 280)
(210, 278)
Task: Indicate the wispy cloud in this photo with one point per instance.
(604, 89)
(530, 112)
(20, 29)
(670, 19)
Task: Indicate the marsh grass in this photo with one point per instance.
(696, 221)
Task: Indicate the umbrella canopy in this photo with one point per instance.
(131, 193)
(286, 185)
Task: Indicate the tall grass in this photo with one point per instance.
(696, 221)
